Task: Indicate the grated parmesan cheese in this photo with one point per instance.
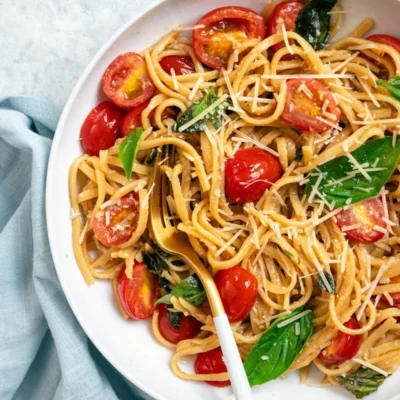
(369, 365)
(295, 318)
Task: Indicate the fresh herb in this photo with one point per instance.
(362, 382)
(128, 149)
(174, 319)
(313, 22)
(299, 154)
(155, 262)
(332, 284)
(152, 156)
(197, 108)
(190, 289)
(277, 348)
(381, 157)
(392, 86)
(288, 253)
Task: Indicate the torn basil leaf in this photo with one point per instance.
(322, 285)
(299, 155)
(128, 149)
(392, 86)
(155, 262)
(152, 156)
(174, 319)
(313, 22)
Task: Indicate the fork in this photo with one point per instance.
(176, 242)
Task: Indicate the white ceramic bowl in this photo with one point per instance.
(130, 346)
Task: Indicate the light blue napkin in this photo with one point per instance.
(44, 353)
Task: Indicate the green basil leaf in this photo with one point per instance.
(197, 108)
(128, 149)
(277, 348)
(392, 86)
(174, 319)
(299, 154)
(313, 22)
(156, 264)
(152, 156)
(332, 284)
(362, 382)
(379, 154)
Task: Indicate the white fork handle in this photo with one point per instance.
(237, 374)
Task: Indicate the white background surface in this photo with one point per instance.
(46, 44)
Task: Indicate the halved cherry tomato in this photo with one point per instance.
(223, 26)
(249, 173)
(100, 129)
(344, 346)
(211, 362)
(302, 112)
(238, 289)
(138, 295)
(189, 327)
(284, 13)
(126, 81)
(182, 65)
(132, 119)
(368, 213)
(386, 39)
(116, 223)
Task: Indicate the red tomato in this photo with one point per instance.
(126, 81)
(238, 290)
(189, 327)
(302, 112)
(386, 39)
(182, 65)
(132, 119)
(284, 13)
(343, 346)
(395, 297)
(115, 224)
(100, 129)
(249, 173)
(222, 27)
(368, 213)
(138, 294)
(211, 362)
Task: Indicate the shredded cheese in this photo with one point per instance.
(196, 87)
(190, 28)
(174, 80)
(345, 62)
(146, 198)
(229, 242)
(309, 76)
(369, 365)
(286, 40)
(293, 319)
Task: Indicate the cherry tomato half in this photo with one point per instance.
(284, 13)
(249, 173)
(304, 104)
(344, 346)
(211, 362)
(100, 129)
(189, 327)
(138, 295)
(223, 26)
(126, 81)
(386, 39)
(238, 290)
(182, 65)
(132, 119)
(116, 223)
(368, 214)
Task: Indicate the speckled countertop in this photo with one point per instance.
(46, 44)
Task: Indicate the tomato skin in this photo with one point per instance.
(126, 81)
(211, 362)
(287, 13)
(238, 289)
(396, 300)
(386, 39)
(301, 112)
(132, 119)
(189, 327)
(368, 213)
(213, 43)
(247, 173)
(182, 65)
(125, 212)
(100, 128)
(343, 346)
(138, 295)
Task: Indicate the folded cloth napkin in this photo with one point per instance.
(44, 353)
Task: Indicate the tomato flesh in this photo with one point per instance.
(116, 223)
(132, 119)
(211, 362)
(302, 112)
(100, 129)
(138, 295)
(249, 173)
(181, 65)
(189, 327)
(223, 26)
(126, 81)
(343, 346)
(386, 39)
(368, 214)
